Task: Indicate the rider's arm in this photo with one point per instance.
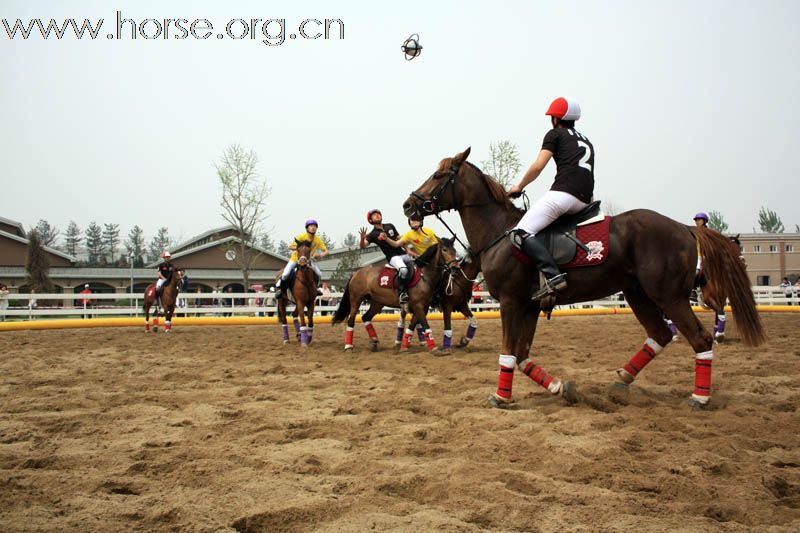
(535, 169)
(395, 243)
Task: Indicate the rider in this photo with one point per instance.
(394, 256)
(318, 251)
(416, 241)
(571, 192)
(165, 272)
(700, 221)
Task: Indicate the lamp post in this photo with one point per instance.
(130, 303)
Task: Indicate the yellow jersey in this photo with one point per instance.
(420, 239)
(317, 245)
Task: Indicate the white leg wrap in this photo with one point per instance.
(657, 348)
(721, 318)
(508, 361)
(350, 329)
(401, 324)
(705, 356)
(473, 322)
(447, 332)
(554, 387)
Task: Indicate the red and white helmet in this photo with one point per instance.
(372, 212)
(166, 255)
(564, 109)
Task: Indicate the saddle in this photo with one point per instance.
(576, 240)
(387, 278)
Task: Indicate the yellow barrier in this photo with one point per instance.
(75, 323)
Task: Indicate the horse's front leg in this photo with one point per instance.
(303, 328)
(447, 335)
(310, 318)
(282, 318)
(420, 317)
(519, 319)
(168, 318)
(147, 318)
(401, 326)
(471, 328)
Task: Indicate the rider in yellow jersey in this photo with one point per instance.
(318, 251)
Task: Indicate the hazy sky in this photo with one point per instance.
(691, 105)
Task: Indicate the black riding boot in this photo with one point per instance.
(402, 287)
(554, 279)
(281, 289)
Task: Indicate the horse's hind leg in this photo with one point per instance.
(702, 343)
(658, 331)
(471, 328)
(147, 318)
(401, 326)
(282, 318)
(366, 318)
(296, 321)
(355, 302)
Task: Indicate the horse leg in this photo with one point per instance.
(156, 314)
(310, 320)
(447, 334)
(355, 302)
(717, 305)
(168, 319)
(296, 321)
(282, 318)
(147, 318)
(658, 330)
(519, 319)
(303, 328)
(374, 309)
(702, 342)
(401, 326)
(420, 317)
(471, 328)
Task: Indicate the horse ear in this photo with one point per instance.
(298, 243)
(460, 158)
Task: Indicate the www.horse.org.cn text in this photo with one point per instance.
(269, 31)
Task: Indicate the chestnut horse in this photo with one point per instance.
(651, 259)
(169, 296)
(304, 292)
(364, 285)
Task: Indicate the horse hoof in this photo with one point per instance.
(569, 392)
(373, 346)
(348, 347)
(463, 343)
(444, 351)
(499, 403)
(620, 386)
(624, 377)
(698, 406)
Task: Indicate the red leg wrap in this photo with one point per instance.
(348, 337)
(702, 377)
(406, 341)
(640, 360)
(504, 382)
(371, 331)
(537, 374)
(429, 340)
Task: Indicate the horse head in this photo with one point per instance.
(303, 252)
(454, 185)
(448, 254)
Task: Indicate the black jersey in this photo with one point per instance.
(574, 156)
(388, 250)
(165, 269)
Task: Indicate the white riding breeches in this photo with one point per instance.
(547, 209)
(399, 261)
(159, 283)
(291, 264)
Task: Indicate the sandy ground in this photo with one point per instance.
(224, 428)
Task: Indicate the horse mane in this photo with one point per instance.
(497, 191)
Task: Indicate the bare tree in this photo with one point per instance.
(244, 197)
(503, 163)
(47, 234)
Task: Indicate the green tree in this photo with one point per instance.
(37, 265)
(329, 243)
(503, 163)
(717, 222)
(769, 221)
(94, 243)
(135, 245)
(348, 264)
(47, 234)
(267, 243)
(159, 243)
(350, 240)
(111, 239)
(72, 238)
(244, 197)
(283, 249)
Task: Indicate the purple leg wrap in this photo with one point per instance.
(471, 331)
(446, 342)
(303, 336)
(420, 334)
(672, 328)
(297, 324)
(285, 328)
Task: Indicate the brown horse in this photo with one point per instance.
(651, 259)
(364, 285)
(712, 296)
(304, 292)
(457, 293)
(169, 296)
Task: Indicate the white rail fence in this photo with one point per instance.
(29, 306)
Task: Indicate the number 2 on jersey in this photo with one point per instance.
(587, 154)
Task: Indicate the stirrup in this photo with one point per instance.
(550, 286)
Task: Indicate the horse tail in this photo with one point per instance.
(722, 264)
(343, 311)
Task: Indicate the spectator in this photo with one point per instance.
(228, 302)
(325, 299)
(198, 302)
(3, 301)
(787, 289)
(797, 289)
(85, 301)
(476, 298)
